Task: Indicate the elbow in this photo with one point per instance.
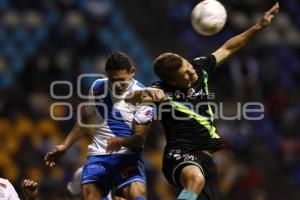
(133, 142)
(131, 101)
(140, 141)
(132, 97)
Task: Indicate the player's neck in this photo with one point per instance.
(182, 86)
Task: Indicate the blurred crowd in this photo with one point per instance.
(42, 41)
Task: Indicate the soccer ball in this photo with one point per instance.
(208, 17)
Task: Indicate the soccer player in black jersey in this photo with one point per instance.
(190, 134)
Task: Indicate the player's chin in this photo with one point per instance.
(120, 91)
(194, 78)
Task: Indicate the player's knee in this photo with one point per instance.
(136, 191)
(198, 180)
(90, 193)
(191, 178)
(87, 193)
(142, 191)
(139, 191)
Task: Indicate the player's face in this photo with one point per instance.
(120, 79)
(185, 75)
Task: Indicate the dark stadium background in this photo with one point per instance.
(42, 41)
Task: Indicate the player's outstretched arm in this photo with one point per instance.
(88, 115)
(58, 151)
(148, 95)
(135, 141)
(30, 189)
(236, 43)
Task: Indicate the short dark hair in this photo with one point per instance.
(118, 61)
(166, 64)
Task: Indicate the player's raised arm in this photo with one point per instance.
(147, 95)
(236, 43)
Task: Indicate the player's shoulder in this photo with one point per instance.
(3, 180)
(207, 63)
(200, 58)
(137, 85)
(99, 85)
(4, 183)
(203, 59)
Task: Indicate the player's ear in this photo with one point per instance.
(132, 71)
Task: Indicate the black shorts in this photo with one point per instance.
(176, 159)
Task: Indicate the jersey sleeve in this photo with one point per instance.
(207, 63)
(144, 114)
(89, 108)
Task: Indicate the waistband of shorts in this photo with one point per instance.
(205, 152)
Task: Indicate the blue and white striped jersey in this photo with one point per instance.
(113, 116)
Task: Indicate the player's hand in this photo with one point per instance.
(54, 154)
(114, 144)
(268, 16)
(30, 189)
(153, 95)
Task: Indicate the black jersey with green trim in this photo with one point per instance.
(187, 117)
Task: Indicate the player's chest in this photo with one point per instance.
(197, 92)
(122, 106)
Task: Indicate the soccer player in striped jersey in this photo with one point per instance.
(111, 116)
